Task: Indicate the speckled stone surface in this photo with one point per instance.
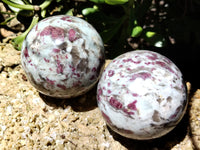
(142, 95)
(63, 56)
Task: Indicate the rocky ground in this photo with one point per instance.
(30, 120)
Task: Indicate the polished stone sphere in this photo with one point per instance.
(142, 95)
(63, 56)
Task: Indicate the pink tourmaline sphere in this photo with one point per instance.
(142, 95)
(63, 56)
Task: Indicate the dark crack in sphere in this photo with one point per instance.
(63, 56)
(142, 95)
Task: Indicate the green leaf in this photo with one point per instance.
(26, 13)
(97, 1)
(18, 41)
(155, 39)
(26, 1)
(150, 34)
(17, 5)
(88, 11)
(20, 2)
(20, 5)
(70, 12)
(136, 31)
(7, 20)
(43, 13)
(116, 2)
(45, 4)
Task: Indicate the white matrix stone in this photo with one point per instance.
(63, 56)
(142, 95)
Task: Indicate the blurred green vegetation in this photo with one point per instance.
(124, 25)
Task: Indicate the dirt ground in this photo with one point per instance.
(30, 120)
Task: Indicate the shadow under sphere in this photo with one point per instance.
(81, 103)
